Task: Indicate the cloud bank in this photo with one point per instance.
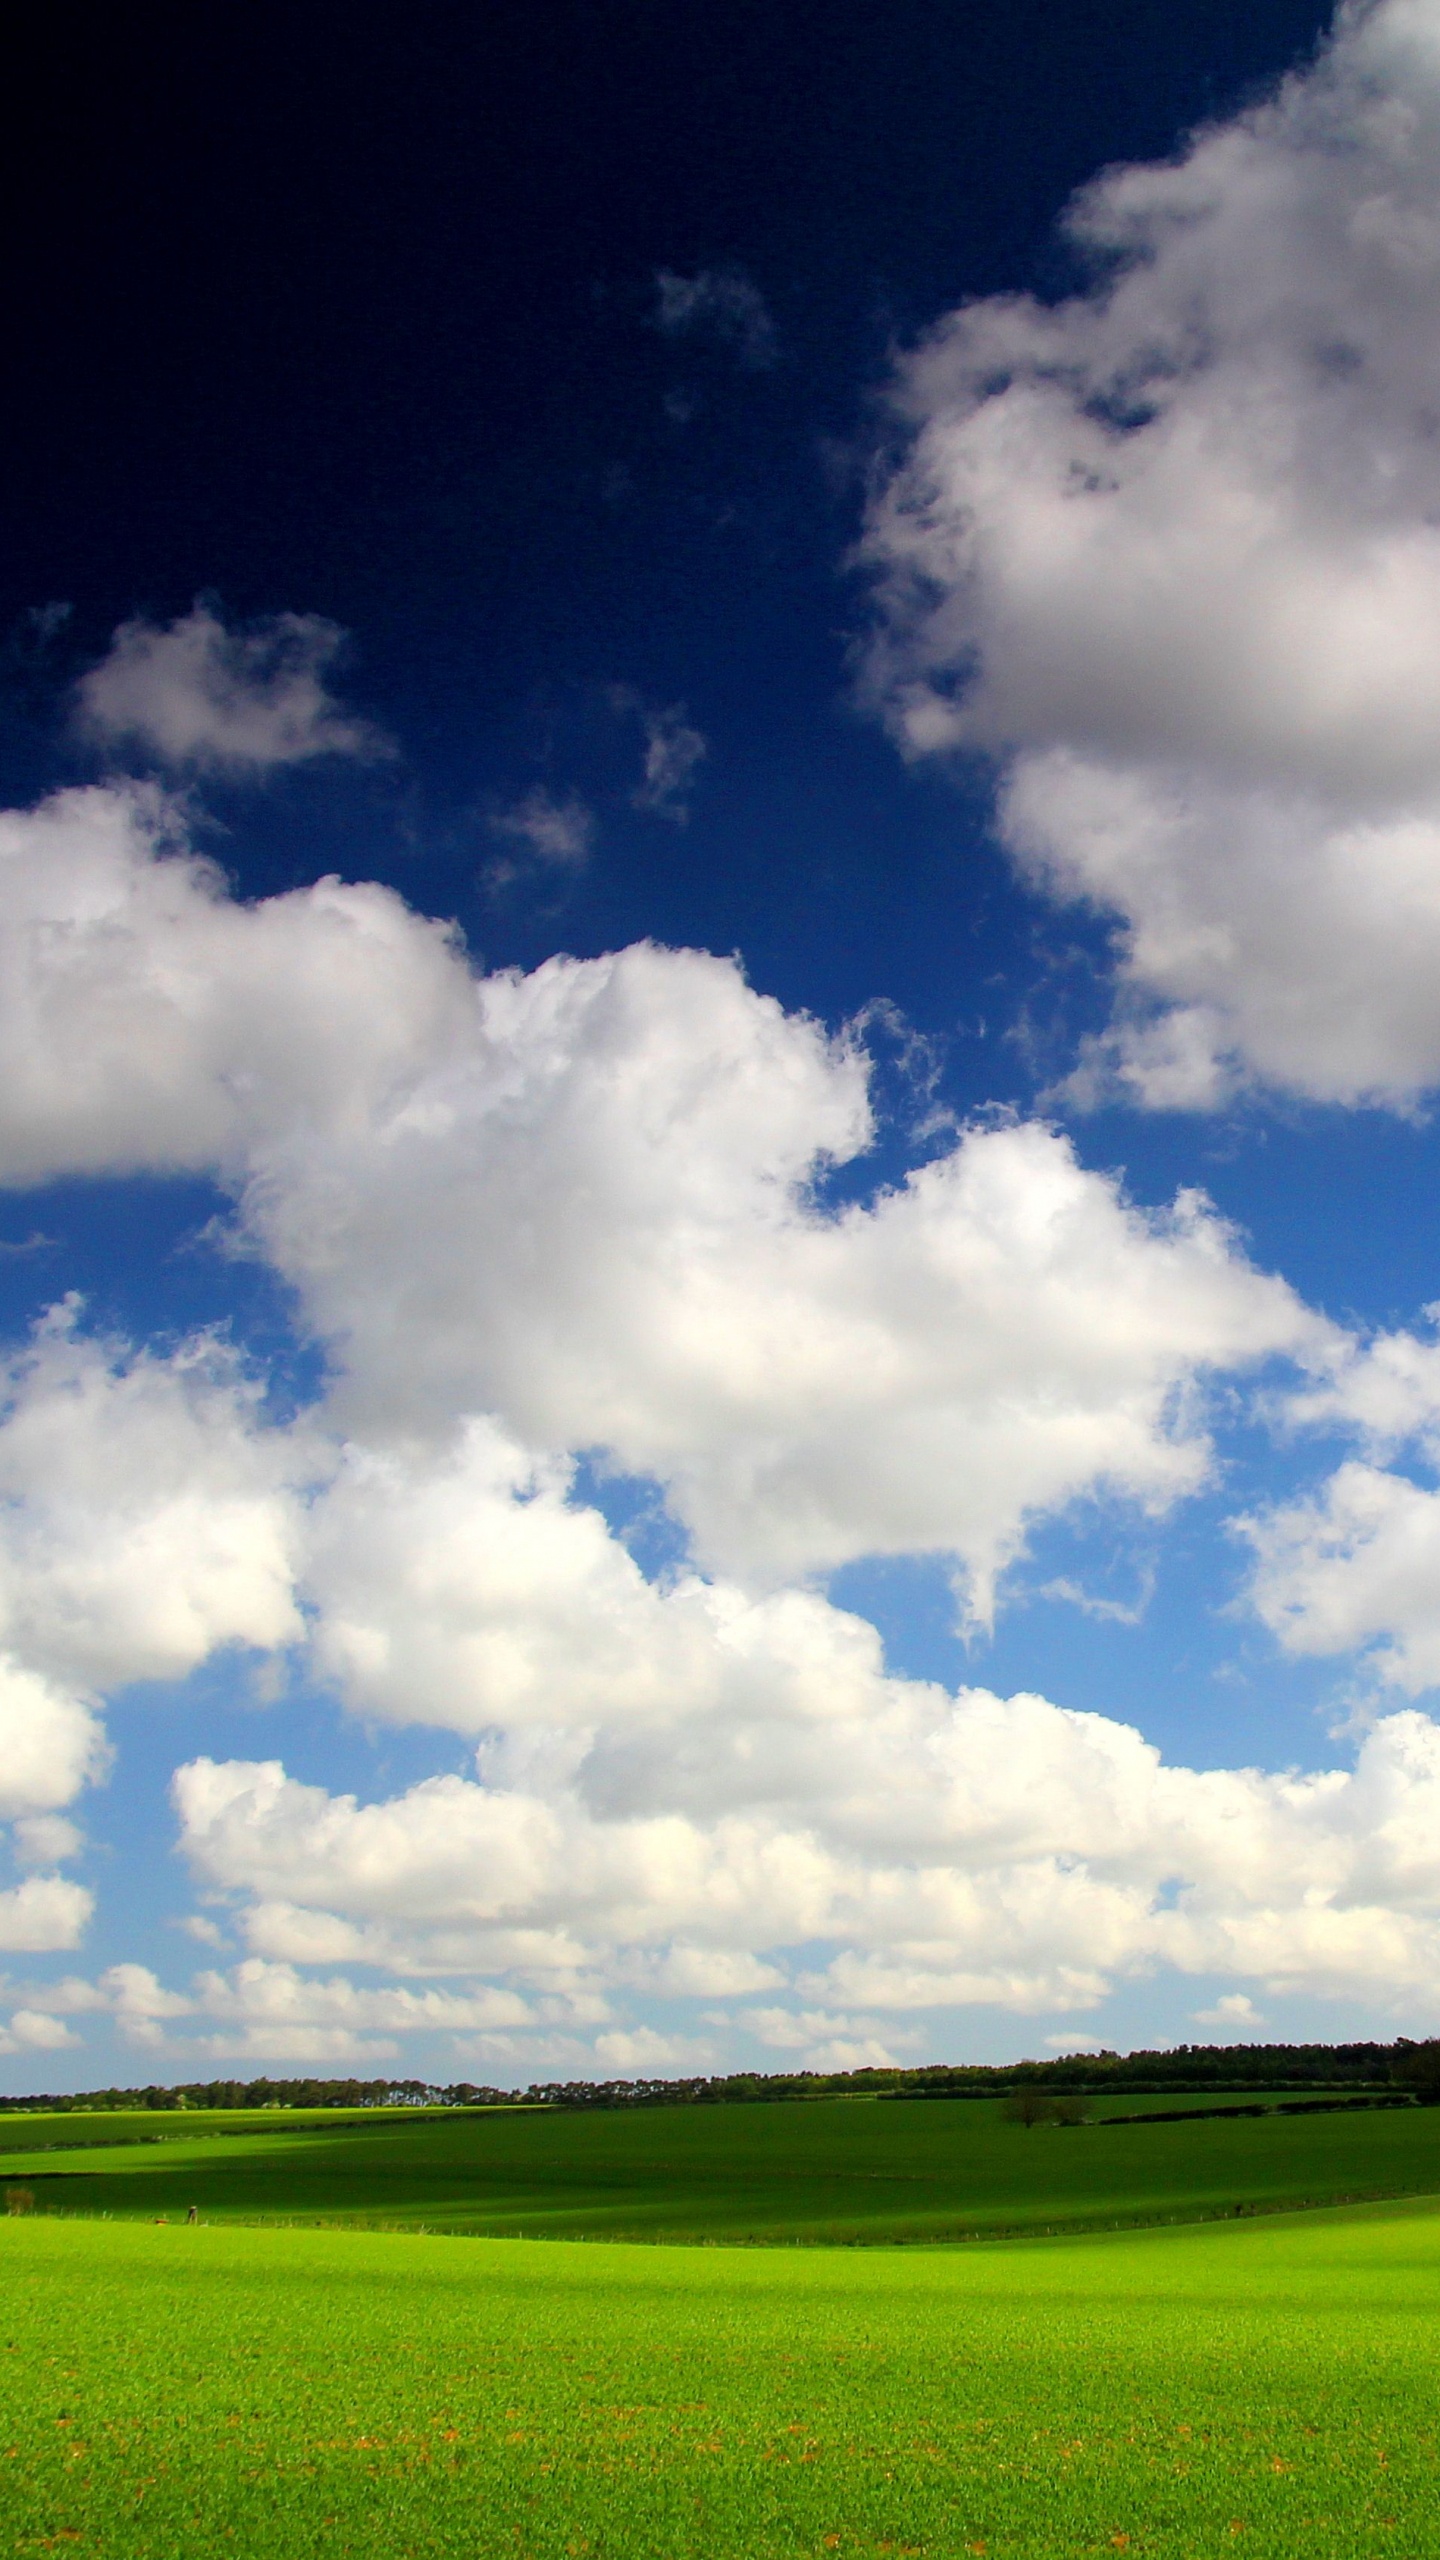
(584, 1212)
(903, 1850)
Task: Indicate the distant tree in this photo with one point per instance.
(1417, 2067)
(1029, 2106)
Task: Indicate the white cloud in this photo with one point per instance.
(31, 2031)
(151, 1023)
(616, 1170)
(193, 694)
(997, 1852)
(1385, 1391)
(42, 1915)
(263, 2012)
(674, 751)
(315, 2045)
(704, 1973)
(51, 1743)
(612, 1163)
(1169, 549)
(621, 1255)
(1234, 2010)
(1356, 1566)
(995, 1338)
(266, 2012)
(821, 2041)
(642, 2052)
(146, 1517)
(46, 1840)
(270, 2012)
(723, 302)
(141, 2006)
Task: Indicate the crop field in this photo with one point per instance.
(830, 2172)
(318, 2366)
(1266, 2387)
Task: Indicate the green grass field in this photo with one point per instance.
(1266, 2387)
(1245, 2375)
(827, 2172)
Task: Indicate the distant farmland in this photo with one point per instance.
(313, 2369)
(830, 2171)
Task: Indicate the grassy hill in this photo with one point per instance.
(1268, 2388)
(826, 2171)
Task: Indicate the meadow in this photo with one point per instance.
(315, 2367)
(838, 2171)
(1265, 2387)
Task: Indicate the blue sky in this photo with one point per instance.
(720, 944)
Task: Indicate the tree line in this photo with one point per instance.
(1405, 2065)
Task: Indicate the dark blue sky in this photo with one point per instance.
(351, 312)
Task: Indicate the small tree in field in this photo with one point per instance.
(1029, 2107)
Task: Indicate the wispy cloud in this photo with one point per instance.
(722, 302)
(674, 750)
(547, 833)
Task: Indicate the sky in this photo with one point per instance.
(720, 939)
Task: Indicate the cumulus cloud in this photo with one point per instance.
(1234, 2012)
(614, 1166)
(270, 2012)
(43, 1914)
(31, 2031)
(641, 2051)
(51, 1743)
(263, 2012)
(1168, 550)
(45, 1840)
(722, 302)
(151, 1023)
(1356, 1566)
(1384, 1390)
(965, 1850)
(999, 1335)
(246, 703)
(147, 1517)
(618, 1171)
(821, 2041)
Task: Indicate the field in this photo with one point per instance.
(1262, 2381)
(841, 2171)
(1264, 2387)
